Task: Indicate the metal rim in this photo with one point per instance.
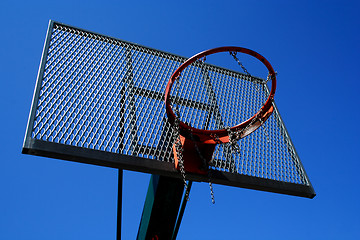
(221, 135)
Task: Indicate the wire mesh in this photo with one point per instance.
(106, 94)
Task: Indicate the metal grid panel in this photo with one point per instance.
(103, 94)
(99, 93)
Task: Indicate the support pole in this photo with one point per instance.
(161, 208)
(181, 213)
(119, 208)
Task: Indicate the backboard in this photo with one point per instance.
(100, 100)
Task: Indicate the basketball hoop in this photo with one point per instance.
(203, 141)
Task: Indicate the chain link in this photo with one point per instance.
(211, 187)
(179, 148)
(240, 64)
(178, 145)
(197, 149)
(265, 131)
(234, 136)
(254, 80)
(205, 166)
(232, 140)
(269, 77)
(179, 153)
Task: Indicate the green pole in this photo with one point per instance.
(161, 208)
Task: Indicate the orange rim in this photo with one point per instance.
(221, 135)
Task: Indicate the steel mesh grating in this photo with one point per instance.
(106, 94)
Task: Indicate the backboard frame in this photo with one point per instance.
(134, 163)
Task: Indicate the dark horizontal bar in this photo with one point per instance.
(160, 96)
(133, 163)
(95, 157)
(268, 185)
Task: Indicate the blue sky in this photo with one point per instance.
(314, 47)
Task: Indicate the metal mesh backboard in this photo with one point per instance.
(100, 100)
